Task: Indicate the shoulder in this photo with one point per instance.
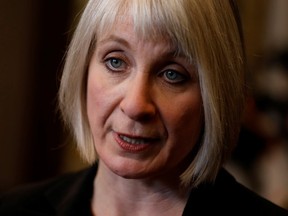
(46, 197)
(244, 200)
(228, 197)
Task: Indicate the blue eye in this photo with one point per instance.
(173, 76)
(114, 63)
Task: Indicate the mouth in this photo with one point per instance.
(135, 140)
(134, 144)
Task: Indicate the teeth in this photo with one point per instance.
(132, 140)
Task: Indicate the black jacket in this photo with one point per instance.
(70, 194)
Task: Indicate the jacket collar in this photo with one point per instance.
(71, 195)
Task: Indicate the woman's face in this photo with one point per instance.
(144, 104)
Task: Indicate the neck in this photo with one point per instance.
(115, 195)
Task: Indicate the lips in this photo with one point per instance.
(134, 144)
(134, 141)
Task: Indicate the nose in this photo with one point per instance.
(137, 102)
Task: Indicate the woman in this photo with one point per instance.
(153, 92)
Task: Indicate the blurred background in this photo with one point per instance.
(34, 36)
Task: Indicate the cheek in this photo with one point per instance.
(102, 99)
(96, 88)
(185, 122)
(94, 98)
(96, 101)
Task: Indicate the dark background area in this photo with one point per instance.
(34, 36)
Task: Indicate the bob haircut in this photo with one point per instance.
(207, 32)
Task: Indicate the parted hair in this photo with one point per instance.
(207, 32)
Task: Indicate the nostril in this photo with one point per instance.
(145, 117)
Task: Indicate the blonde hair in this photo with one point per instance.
(207, 32)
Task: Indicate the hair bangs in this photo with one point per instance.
(152, 19)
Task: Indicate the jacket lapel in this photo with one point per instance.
(72, 194)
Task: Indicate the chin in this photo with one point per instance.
(130, 170)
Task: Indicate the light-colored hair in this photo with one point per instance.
(206, 32)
